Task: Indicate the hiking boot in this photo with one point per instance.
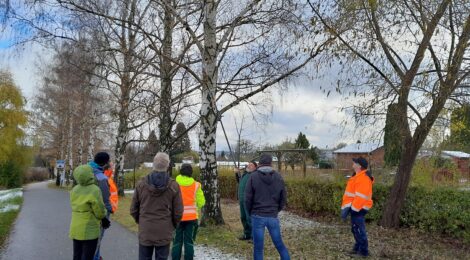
(352, 253)
(244, 238)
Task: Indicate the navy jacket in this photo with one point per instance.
(265, 193)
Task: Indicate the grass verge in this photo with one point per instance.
(7, 218)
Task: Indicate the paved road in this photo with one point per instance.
(41, 230)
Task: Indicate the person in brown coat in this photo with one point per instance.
(157, 206)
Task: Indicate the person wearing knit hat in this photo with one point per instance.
(193, 201)
(265, 160)
(265, 197)
(157, 207)
(101, 158)
(99, 163)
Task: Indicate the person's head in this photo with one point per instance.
(266, 159)
(186, 170)
(360, 164)
(161, 161)
(83, 174)
(101, 158)
(251, 167)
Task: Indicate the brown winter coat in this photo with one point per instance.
(157, 211)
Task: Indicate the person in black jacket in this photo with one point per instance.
(265, 197)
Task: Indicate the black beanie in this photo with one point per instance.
(186, 169)
(265, 160)
(101, 158)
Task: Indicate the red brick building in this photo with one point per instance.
(374, 153)
(461, 160)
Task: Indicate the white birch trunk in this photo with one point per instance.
(81, 144)
(212, 213)
(70, 146)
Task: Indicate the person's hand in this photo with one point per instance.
(344, 213)
(105, 223)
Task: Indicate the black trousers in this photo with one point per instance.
(161, 252)
(84, 249)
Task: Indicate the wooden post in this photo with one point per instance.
(279, 163)
(305, 164)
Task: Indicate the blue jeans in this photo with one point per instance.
(258, 225)
(358, 228)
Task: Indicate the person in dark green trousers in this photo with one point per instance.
(244, 216)
(193, 201)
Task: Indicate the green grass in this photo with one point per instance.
(8, 218)
(329, 240)
(53, 186)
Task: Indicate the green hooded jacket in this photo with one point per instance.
(87, 205)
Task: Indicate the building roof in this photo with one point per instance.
(359, 148)
(455, 154)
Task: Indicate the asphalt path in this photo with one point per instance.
(41, 229)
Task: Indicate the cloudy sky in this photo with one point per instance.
(302, 107)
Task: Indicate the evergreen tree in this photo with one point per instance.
(392, 137)
(302, 142)
(182, 144)
(151, 148)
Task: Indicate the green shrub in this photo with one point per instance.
(435, 172)
(11, 175)
(441, 210)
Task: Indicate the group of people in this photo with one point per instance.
(262, 195)
(167, 210)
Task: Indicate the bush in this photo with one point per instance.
(11, 175)
(435, 172)
(445, 211)
(36, 174)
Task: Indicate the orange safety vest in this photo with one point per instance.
(189, 201)
(358, 194)
(113, 197)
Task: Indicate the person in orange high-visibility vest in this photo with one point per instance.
(113, 191)
(193, 200)
(357, 201)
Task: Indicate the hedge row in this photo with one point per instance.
(445, 211)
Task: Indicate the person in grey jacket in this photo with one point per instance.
(265, 197)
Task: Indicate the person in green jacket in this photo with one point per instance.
(244, 215)
(88, 214)
(193, 201)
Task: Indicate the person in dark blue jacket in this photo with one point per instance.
(265, 197)
(98, 164)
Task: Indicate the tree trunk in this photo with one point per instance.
(165, 124)
(91, 145)
(120, 148)
(212, 213)
(396, 198)
(81, 144)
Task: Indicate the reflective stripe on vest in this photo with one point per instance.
(189, 201)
